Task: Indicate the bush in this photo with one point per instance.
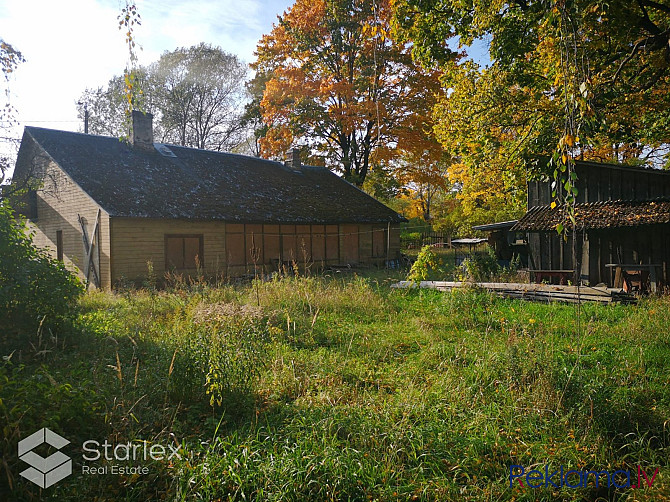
(428, 266)
(35, 289)
(481, 266)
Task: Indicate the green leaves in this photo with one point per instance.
(36, 291)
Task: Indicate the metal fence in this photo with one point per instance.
(417, 240)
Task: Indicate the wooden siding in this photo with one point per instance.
(597, 183)
(595, 249)
(228, 248)
(58, 203)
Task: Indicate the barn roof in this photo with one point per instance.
(200, 184)
(597, 215)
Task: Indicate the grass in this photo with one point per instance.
(341, 388)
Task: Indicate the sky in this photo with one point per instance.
(74, 44)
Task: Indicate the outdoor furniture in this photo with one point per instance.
(563, 276)
(634, 276)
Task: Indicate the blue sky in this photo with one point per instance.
(75, 44)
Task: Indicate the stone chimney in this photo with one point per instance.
(143, 131)
(293, 158)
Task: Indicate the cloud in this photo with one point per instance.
(76, 44)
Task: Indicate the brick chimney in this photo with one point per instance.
(293, 158)
(143, 131)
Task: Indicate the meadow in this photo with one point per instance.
(338, 387)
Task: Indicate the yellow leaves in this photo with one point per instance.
(553, 205)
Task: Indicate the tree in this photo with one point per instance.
(342, 86)
(10, 58)
(196, 94)
(200, 95)
(581, 79)
(106, 108)
(423, 180)
(252, 119)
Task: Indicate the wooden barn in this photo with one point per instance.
(108, 208)
(622, 221)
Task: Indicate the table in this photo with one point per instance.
(623, 278)
(562, 275)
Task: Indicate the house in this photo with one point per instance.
(107, 208)
(622, 217)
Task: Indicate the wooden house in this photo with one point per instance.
(622, 216)
(109, 208)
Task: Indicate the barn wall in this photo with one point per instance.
(59, 202)
(645, 245)
(136, 241)
(601, 182)
(238, 249)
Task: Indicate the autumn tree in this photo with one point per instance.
(343, 87)
(581, 79)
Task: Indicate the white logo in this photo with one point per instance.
(45, 472)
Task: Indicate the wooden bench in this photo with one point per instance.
(634, 276)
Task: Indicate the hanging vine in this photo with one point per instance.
(575, 81)
(129, 19)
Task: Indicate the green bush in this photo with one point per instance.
(481, 266)
(218, 360)
(428, 266)
(35, 289)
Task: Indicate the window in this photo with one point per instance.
(59, 245)
(32, 205)
(183, 252)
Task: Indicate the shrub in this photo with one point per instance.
(481, 266)
(220, 360)
(428, 266)
(35, 289)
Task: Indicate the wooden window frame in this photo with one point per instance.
(201, 250)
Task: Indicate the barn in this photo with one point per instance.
(622, 223)
(108, 208)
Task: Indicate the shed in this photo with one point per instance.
(108, 208)
(622, 216)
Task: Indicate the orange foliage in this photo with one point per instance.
(341, 85)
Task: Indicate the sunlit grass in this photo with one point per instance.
(358, 391)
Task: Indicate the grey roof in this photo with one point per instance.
(597, 215)
(490, 227)
(200, 184)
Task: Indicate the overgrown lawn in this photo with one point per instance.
(341, 388)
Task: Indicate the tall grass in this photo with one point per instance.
(340, 388)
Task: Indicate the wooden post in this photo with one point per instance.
(388, 243)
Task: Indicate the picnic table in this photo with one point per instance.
(634, 276)
(563, 276)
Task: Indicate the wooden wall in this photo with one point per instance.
(236, 249)
(59, 201)
(601, 182)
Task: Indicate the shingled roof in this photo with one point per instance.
(597, 215)
(201, 184)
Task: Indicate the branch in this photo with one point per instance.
(628, 58)
(656, 5)
(646, 21)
